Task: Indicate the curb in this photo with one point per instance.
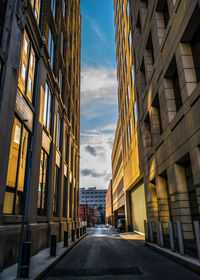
(57, 259)
(189, 262)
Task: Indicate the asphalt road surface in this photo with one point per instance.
(104, 255)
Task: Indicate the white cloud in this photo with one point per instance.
(95, 171)
(98, 83)
(98, 97)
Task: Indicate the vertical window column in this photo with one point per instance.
(65, 197)
(27, 68)
(13, 201)
(186, 69)
(147, 139)
(42, 187)
(58, 131)
(51, 48)
(149, 57)
(155, 119)
(47, 108)
(143, 11)
(152, 203)
(180, 196)
(56, 192)
(36, 8)
(142, 78)
(164, 201)
(195, 163)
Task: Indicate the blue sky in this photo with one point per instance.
(99, 108)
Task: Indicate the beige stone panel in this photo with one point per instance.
(181, 185)
(161, 188)
(171, 180)
(195, 162)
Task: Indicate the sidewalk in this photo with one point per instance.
(132, 236)
(187, 261)
(41, 263)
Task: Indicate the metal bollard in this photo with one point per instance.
(180, 238)
(151, 232)
(77, 233)
(53, 245)
(73, 235)
(158, 233)
(161, 234)
(65, 238)
(26, 254)
(197, 236)
(81, 231)
(146, 231)
(171, 236)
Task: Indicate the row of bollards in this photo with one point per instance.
(26, 252)
(149, 235)
(53, 243)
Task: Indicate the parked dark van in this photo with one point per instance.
(121, 225)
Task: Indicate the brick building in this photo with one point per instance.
(39, 121)
(166, 49)
(88, 216)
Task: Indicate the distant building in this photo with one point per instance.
(95, 198)
(87, 215)
(109, 205)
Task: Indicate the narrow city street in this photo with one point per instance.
(105, 254)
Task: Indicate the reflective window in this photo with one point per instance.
(13, 201)
(131, 127)
(53, 7)
(42, 186)
(61, 43)
(135, 112)
(27, 68)
(63, 8)
(47, 108)
(128, 93)
(58, 131)
(56, 192)
(36, 4)
(60, 81)
(51, 48)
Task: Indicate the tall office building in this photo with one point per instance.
(95, 198)
(128, 186)
(39, 121)
(166, 49)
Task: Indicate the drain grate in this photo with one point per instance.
(96, 272)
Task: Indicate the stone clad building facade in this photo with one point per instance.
(128, 185)
(166, 51)
(39, 121)
(118, 195)
(109, 205)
